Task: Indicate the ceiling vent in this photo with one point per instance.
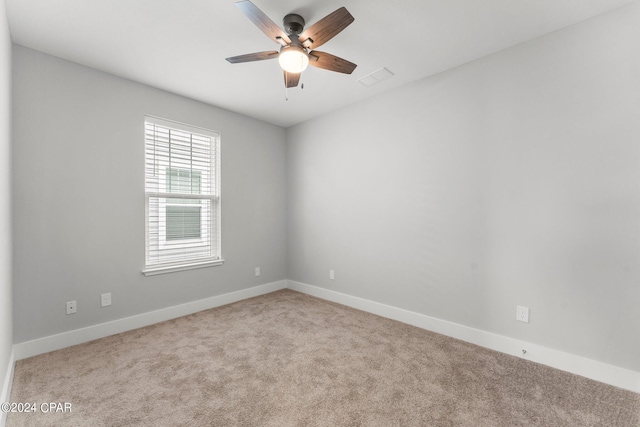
(376, 77)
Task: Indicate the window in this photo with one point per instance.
(184, 219)
(182, 193)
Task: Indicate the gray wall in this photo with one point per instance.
(6, 320)
(512, 180)
(78, 195)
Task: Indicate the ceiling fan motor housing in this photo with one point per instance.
(293, 23)
(295, 54)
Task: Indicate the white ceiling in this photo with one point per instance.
(181, 46)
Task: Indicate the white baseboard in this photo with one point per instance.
(79, 336)
(605, 373)
(5, 396)
(609, 374)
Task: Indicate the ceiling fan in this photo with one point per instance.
(297, 51)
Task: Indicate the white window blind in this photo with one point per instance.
(182, 196)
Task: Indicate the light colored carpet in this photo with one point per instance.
(288, 359)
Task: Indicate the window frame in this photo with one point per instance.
(214, 198)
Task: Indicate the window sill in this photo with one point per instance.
(152, 271)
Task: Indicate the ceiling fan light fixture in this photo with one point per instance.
(293, 59)
(298, 44)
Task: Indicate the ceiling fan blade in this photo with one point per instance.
(330, 62)
(250, 57)
(326, 28)
(263, 22)
(291, 79)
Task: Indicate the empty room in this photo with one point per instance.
(332, 213)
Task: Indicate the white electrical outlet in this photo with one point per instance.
(257, 271)
(522, 314)
(332, 275)
(105, 299)
(72, 307)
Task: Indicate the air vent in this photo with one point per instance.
(376, 77)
